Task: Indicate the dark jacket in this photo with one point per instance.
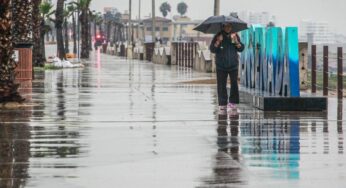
(227, 58)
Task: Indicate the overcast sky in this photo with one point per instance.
(287, 12)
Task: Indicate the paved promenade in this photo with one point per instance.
(120, 124)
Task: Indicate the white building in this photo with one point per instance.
(320, 31)
(262, 18)
(111, 10)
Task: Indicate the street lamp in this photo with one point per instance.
(153, 28)
(129, 32)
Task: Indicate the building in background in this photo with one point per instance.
(254, 18)
(163, 30)
(111, 10)
(183, 30)
(321, 32)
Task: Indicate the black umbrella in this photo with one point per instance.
(213, 24)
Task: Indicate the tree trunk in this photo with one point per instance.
(59, 15)
(8, 88)
(22, 21)
(95, 29)
(42, 49)
(74, 34)
(66, 37)
(38, 58)
(90, 36)
(114, 40)
(108, 31)
(84, 31)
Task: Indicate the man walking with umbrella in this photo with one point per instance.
(225, 45)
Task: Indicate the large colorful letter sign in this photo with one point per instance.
(270, 60)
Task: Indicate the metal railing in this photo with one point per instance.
(326, 74)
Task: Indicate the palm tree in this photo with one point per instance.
(8, 88)
(182, 8)
(84, 17)
(59, 20)
(165, 8)
(73, 9)
(89, 32)
(37, 56)
(97, 20)
(108, 19)
(67, 14)
(46, 10)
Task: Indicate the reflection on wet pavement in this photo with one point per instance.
(119, 123)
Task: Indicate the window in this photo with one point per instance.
(149, 29)
(165, 29)
(157, 29)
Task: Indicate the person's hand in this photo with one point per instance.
(234, 37)
(219, 39)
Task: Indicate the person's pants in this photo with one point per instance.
(222, 77)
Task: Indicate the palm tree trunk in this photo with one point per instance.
(22, 19)
(95, 29)
(8, 88)
(74, 34)
(108, 31)
(84, 31)
(42, 49)
(38, 58)
(89, 36)
(59, 15)
(67, 50)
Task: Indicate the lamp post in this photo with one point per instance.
(153, 28)
(216, 7)
(129, 33)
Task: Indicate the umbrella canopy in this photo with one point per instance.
(213, 24)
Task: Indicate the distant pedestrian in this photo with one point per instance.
(226, 46)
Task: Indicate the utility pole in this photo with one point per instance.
(139, 18)
(216, 7)
(129, 33)
(78, 32)
(153, 22)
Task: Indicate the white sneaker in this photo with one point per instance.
(231, 106)
(222, 110)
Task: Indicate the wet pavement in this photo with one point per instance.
(119, 123)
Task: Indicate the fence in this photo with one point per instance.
(328, 79)
(184, 53)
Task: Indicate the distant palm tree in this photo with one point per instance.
(84, 17)
(97, 20)
(8, 88)
(46, 11)
(59, 20)
(165, 8)
(67, 14)
(72, 10)
(182, 8)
